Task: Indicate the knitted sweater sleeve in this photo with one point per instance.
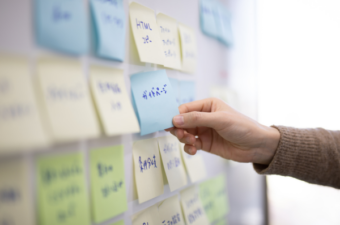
(312, 155)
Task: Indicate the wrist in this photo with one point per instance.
(270, 143)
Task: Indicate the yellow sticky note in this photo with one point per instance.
(170, 41)
(66, 100)
(170, 211)
(148, 172)
(62, 194)
(108, 188)
(192, 207)
(112, 101)
(189, 48)
(119, 223)
(172, 162)
(150, 216)
(20, 120)
(146, 34)
(16, 205)
(194, 164)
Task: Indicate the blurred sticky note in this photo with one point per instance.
(109, 22)
(208, 18)
(170, 41)
(170, 211)
(62, 25)
(194, 164)
(62, 194)
(66, 100)
(112, 101)
(146, 34)
(20, 119)
(223, 22)
(108, 189)
(154, 101)
(187, 91)
(189, 48)
(192, 207)
(213, 194)
(148, 172)
(119, 223)
(175, 86)
(16, 205)
(150, 216)
(172, 162)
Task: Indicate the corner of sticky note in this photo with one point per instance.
(170, 211)
(150, 216)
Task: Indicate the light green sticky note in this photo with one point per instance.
(108, 190)
(62, 194)
(119, 223)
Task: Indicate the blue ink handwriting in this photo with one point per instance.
(106, 87)
(169, 147)
(169, 42)
(50, 174)
(62, 194)
(113, 188)
(143, 165)
(143, 25)
(64, 93)
(59, 15)
(9, 195)
(154, 92)
(110, 19)
(63, 215)
(173, 163)
(164, 29)
(104, 169)
(174, 220)
(194, 215)
(116, 106)
(14, 111)
(170, 54)
(146, 39)
(192, 201)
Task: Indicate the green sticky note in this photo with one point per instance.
(108, 190)
(62, 194)
(119, 223)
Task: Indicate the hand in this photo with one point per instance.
(215, 127)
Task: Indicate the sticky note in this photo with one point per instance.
(108, 190)
(119, 223)
(175, 86)
(208, 18)
(187, 91)
(146, 34)
(214, 198)
(192, 207)
(112, 101)
(66, 100)
(16, 205)
(189, 48)
(172, 162)
(224, 24)
(148, 172)
(21, 127)
(150, 216)
(170, 41)
(194, 165)
(109, 24)
(62, 25)
(62, 194)
(170, 211)
(154, 100)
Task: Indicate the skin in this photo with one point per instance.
(213, 126)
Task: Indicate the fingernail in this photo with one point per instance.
(179, 120)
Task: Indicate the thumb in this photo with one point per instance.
(196, 119)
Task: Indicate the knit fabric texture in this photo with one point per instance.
(312, 155)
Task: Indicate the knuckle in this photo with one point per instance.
(196, 116)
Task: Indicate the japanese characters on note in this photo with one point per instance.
(189, 48)
(170, 212)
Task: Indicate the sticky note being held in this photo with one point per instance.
(150, 216)
(175, 86)
(146, 34)
(108, 182)
(187, 91)
(154, 101)
(109, 21)
(170, 211)
(62, 25)
(189, 48)
(208, 18)
(148, 172)
(112, 101)
(62, 194)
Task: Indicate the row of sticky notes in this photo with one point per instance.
(148, 157)
(62, 25)
(170, 211)
(60, 108)
(215, 21)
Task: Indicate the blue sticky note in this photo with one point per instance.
(187, 91)
(208, 17)
(223, 21)
(154, 101)
(175, 86)
(109, 24)
(61, 25)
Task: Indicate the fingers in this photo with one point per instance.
(197, 119)
(200, 105)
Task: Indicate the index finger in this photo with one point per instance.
(203, 105)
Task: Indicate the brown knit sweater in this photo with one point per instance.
(312, 155)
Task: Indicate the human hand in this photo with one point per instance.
(215, 127)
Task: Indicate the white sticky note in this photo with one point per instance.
(146, 34)
(192, 207)
(66, 100)
(148, 172)
(170, 211)
(189, 48)
(112, 101)
(172, 162)
(150, 216)
(194, 165)
(170, 41)
(20, 119)
(16, 205)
